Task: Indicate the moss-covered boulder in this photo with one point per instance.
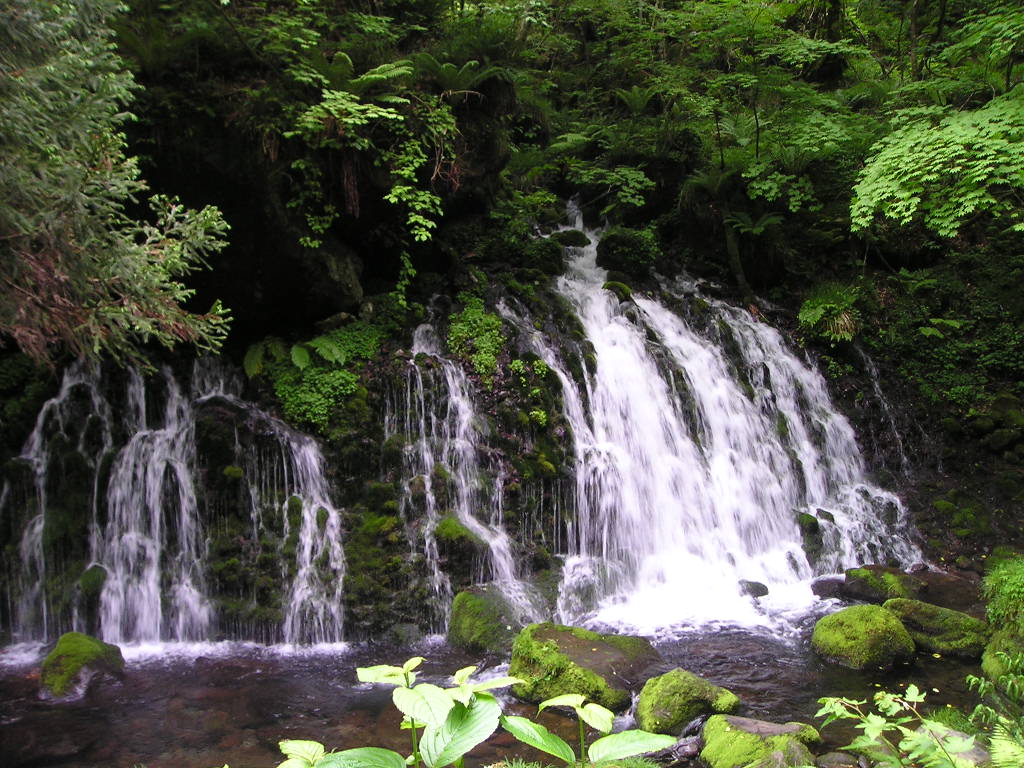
(76, 656)
(941, 630)
(1004, 640)
(572, 238)
(878, 583)
(482, 621)
(862, 637)
(553, 659)
(670, 701)
(740, 742)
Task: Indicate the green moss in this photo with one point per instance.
(941, 630)
(91, 581)
(670, 701)
(728, 746)
(476, 336)
(862, 637)
(231, 472)
(1002, 641)
(481, 621)
(73, 652)
(450, 531)
(878, 584)
(554, 659)
(622, 291)
(571, 238)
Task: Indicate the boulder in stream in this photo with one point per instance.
(741, 742)
(74, 660)
(553, 660)
(941, 630)
(668, 702)
(878, 583)
(862, 637)
(482, 621)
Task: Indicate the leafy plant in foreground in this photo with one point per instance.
(899, 737)
(446, 723)
(1002, 710)
(611, 746)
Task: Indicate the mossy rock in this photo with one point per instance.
(73, 654)
(482, 621)
(862, 637)
(630, 251)
(571, 238)
(878, 583)
(1006, 641)
(740, 742)
(553, 659)
(670, 701)
(941, 630)
(622, 291)
(451, 532)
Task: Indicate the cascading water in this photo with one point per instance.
(442, 421)
(696, 452)
(149, 531)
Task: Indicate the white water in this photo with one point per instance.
(148, 532)
(692, 468)
(442, 418)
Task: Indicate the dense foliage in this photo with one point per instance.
(80, 271)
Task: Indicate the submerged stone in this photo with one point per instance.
(75, 656)
(862, 637)
(753, 588)
(553, 659)
(941, 630)
(670, 701)
(741, 742)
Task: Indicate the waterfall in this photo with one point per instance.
(442, 419)
(698, 445)
(149, 531)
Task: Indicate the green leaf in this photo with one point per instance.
(300, 356)
(626, 744)
(573, 700)
(362, 757)
(425, 703)
(382, 673)
(464, 728)
(537, 736)
(253, 362)
(308, 751)
(461, 676)
(497, 682)
(412, 663)
(597, 717)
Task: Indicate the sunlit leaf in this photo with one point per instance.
(537, 736)
(616, 746)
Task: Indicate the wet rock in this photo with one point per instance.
(741, 742)
(828, 587)
(482, 621)
(862, 637)
(75, 660)
(878, 583)
(670, 701)
(753, 588)
(553, 659)
(837, 760)
(941, 630)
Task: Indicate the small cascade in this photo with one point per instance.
(700, 446)
(150, 521)
(883, 402)
(150, 543)
(441, 416)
